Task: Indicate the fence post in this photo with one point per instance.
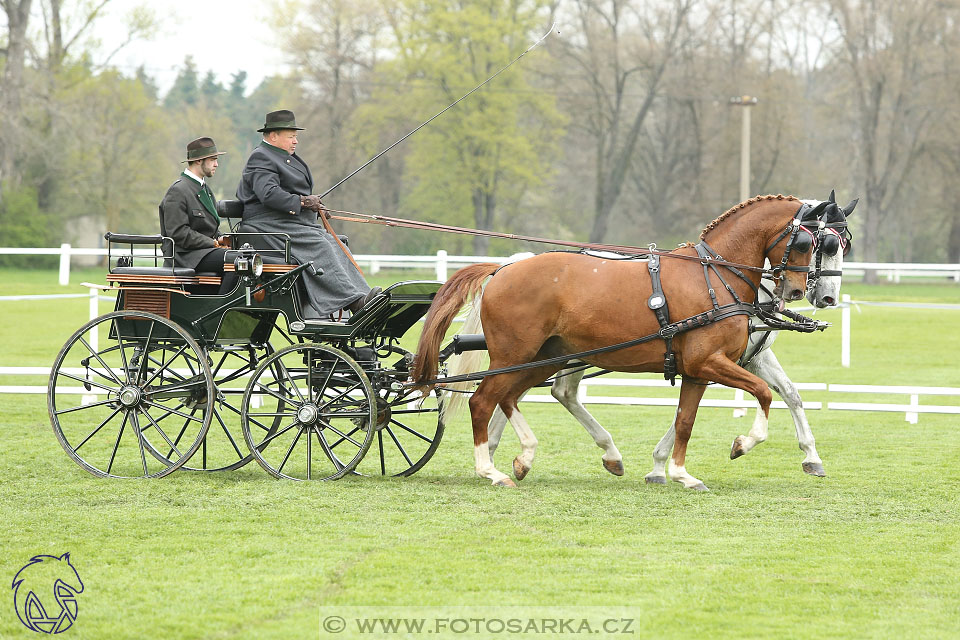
(911, 417)
(442, 265)
(738, 397)
(845, 331)
(374, 267)
(65, 264)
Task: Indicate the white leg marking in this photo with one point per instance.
(679, 474)
(484, 465)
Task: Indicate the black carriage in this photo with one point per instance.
(180, 376)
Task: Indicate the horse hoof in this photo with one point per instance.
(506, 482)
(655, 479)
(614, 466)
(736, 450)
(520, 470)
(814, 469)
(700, 487)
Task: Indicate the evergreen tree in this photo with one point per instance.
(185, 89)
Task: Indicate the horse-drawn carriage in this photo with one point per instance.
(185, 372)
(180, 376)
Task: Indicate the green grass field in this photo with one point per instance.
(871, 551)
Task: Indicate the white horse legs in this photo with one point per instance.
(767, 367)
(564, 389)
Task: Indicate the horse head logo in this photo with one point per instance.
(45, 593)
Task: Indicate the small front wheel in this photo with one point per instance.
(324, 402)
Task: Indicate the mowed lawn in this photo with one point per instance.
(872, 550)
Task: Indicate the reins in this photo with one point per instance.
(367, 218)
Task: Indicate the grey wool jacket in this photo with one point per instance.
(270, 189)
(191, 224)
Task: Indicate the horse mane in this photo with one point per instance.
(743, 205)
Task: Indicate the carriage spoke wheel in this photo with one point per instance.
(322, 398)
(129, 384)
(223, 448)
(408, 432)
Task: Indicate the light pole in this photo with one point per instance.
(746, 102)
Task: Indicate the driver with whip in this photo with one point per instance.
(275, 189)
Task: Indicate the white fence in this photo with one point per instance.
(441, 263)
(911, 410)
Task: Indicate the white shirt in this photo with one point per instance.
(187, 172)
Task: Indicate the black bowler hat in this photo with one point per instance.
(202, 148)
(283, 119)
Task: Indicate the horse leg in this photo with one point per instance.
(482, 404)
(495, 430)
(769, 369)
(564, 389)
(690, 394)
(528, 442)
(719, 368)
(660, 454)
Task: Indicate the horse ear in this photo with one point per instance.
(66, 556)
(847, 210)
(833, 195)
(817, 211)
(833, 214)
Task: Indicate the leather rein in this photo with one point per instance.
(792, 229)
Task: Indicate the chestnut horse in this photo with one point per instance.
(560, 303)
(823, 291)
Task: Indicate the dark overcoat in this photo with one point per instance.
(270, 189)
(191, 223)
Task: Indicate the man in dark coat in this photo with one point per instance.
(275, 189)
(188, 214)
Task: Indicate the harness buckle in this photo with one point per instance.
(668, 331)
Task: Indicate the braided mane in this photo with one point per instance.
(743, 205)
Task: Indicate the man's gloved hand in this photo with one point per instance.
(311, 202)
(223, 241)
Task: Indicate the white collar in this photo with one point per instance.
(191, 174)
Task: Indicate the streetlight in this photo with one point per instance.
(744, 101)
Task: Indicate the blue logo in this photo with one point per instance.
(45, 593)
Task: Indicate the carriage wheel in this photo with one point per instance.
(223, 448)
(408, 432)
(143, 392)
(321, 396)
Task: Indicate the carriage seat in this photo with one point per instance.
(182, 272)
(230, 208)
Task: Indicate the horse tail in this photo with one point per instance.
(464, 284)
(466, 362)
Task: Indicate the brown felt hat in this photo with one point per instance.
(283, 119)
(202, 148)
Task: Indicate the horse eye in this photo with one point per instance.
(830, 245)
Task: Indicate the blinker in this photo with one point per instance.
(830, 244)
(803, 241)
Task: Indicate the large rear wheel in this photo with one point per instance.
(144, 393)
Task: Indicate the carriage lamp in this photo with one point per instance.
(248, 261)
